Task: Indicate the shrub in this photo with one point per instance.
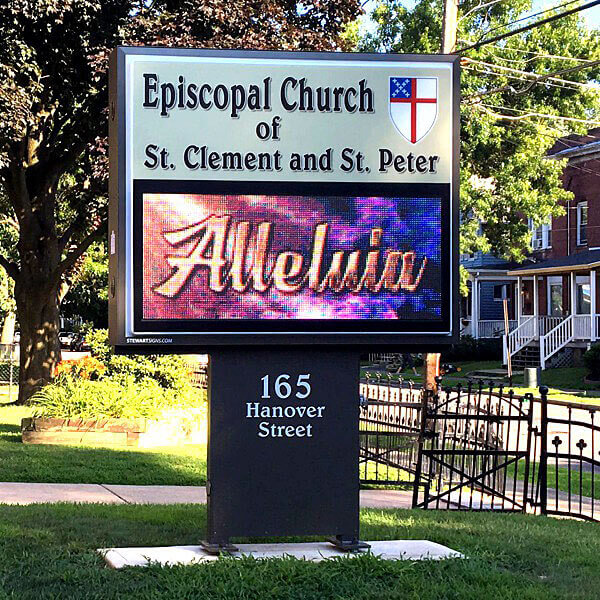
(170, 371)
(87, 367)
(107, 385)
(71, 397)
(591, 360)
(468, 348)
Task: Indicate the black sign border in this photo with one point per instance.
(128, 342)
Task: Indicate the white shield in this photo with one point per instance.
(414, 110)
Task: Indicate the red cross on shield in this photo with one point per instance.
(413, 109)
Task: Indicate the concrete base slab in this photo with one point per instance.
(118, 558)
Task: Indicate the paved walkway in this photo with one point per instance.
(33, 493)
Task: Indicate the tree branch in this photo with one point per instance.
(77, 253)
(10, 267)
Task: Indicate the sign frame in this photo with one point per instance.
(363, 335)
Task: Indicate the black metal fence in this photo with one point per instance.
(389, 430)
(568, 437)
(477, 447)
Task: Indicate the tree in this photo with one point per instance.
(87, 297)
(53, 126)
(8, 237)
(504, 175)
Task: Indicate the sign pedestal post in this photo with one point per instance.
(283, 445)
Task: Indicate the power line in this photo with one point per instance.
(527, 114)
(535, 75)
(528, 27)
(539, 79)
(535, 55)
(527, 17)
(505, 87)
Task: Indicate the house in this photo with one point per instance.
(558, 304)
(554, 295)
(482, 311)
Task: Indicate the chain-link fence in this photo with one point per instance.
(9, 369)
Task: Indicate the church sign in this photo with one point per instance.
(264, 198)
(283, 212)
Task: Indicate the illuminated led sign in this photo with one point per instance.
(274, 198)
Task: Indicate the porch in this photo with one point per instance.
(482, 309)
(556, 308)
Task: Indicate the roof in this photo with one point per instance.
(581, 261)
(577, 154)
(577, 148)
(499, 265)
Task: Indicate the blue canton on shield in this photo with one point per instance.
(400, 87)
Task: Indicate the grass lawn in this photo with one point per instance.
(450, 379)
(557, 380)
(562, 483)
(180, 465)
(48, 552)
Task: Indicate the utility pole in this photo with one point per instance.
(431, 365)
(449, 26)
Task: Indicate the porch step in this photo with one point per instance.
(529, 356)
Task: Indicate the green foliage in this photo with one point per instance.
(87, 296)
(97, 339)
(591, 360)
(121, 397)
(471, 349)
(125, 386)
(170, 371)
(504, 175)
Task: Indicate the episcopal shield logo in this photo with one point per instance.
(413, 106)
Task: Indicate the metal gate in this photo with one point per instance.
(390, 419)
(566, 446)
(480, 448)
(475, 450)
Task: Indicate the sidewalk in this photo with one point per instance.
(33, 493)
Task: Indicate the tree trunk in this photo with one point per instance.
(38, 314)
(8, 329)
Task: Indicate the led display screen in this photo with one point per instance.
(256, 257)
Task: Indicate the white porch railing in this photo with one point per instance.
(574, 327)
(494, 328)
(557, 338)
(582, 327)
(554, 333)
(546, 323)
(522, 335)
(488, 328)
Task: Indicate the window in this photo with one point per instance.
(555, 296)
(501, 292)
(584, 301)
(541, 235)
(582, 219)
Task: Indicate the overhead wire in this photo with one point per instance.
(527, 17)
(527, 114)
(508, 76)
(535, 76)
(483, 42)
(539, 78)
(535, 55)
